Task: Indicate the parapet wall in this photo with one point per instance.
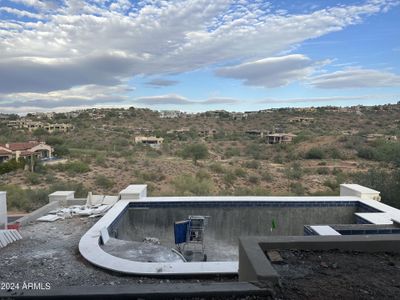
(255, 266)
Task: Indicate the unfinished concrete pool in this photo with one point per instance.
(138, 236)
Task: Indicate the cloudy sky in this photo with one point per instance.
(197, 55)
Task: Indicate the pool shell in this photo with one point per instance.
(90, 243)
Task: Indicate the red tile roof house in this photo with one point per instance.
(27, 149)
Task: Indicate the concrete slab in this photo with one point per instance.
(383, 218)
(48, 218)
(324, 230)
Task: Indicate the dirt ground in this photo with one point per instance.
(338, 275)
(48, 253)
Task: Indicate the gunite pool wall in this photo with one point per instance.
(229, 218)
(133, 218)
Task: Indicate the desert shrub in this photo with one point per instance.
(25, 199)
(367, 153)
(387, 182)
(54, 140)
(315, 153)
(323, 171)
(104, 182)
(240, 172)
(61, 150)
(40, 132)
(294, 171)
(297, 188)
(152, 153)
(33, 178)
(100, 159)
(301, 137)
(217, 168)
(232, 151)
(152, 176)
(49, 178)
(11, 165)
(254, 179)
(266, 176)
(190, 185)
(278, 159)
(203, 174)
(389, 152)
(332, 184)
(381, 151)
(353, 142)
(195, 152)
(255, 151)
(252, 164)
(229, 177)
(73, 167)
(335, 153)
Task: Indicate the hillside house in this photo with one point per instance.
(255, 133)
(39, 150)
(179, 131)
(302, 120)
(238, 116)
(34, 125)
(151, 141)
(170, 114)
(279, 138)
(207, 132)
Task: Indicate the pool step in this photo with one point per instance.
(9, 236)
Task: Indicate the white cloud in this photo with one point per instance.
(20, 13)
(180, 100)
(97, 42)
(355, 78)
(329, 99)
(78, 96)
(273, 71)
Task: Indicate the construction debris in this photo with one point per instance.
(49, 218)
(275, 257)
(75, 210)
(151, 240)
(9, 236)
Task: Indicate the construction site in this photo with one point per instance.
(166, 244)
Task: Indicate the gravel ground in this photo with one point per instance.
(339, 275)
(48, 253)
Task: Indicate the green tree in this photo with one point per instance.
(195, 152)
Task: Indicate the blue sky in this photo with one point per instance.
(198, 55)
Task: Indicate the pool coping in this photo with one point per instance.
(89, 245)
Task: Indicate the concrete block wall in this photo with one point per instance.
(3, 210)
(134, 192)
(62, 196)
(360, 191)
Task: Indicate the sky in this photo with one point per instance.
(197, 55)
